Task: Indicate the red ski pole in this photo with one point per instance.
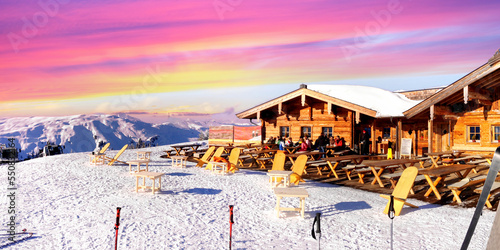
(231, 222)
(117, 225)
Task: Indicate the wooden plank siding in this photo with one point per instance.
(314, 114)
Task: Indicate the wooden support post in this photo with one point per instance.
(400, 135)
(466, 94)
(430, 134)
(258, 115)
(280, 107)
(374, 144)
(358, 118)
(329, 108)
(303, 100)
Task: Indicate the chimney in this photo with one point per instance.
(303, 86)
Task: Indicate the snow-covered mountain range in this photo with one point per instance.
(82, 133)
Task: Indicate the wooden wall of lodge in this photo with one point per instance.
(314, 114)
(456, 134)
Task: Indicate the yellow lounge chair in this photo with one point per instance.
(115, 159)
(401, 191)
(102, 151)
(204, 159)
(233, 160)
(298, 169)
(217, 153)
(279, 163)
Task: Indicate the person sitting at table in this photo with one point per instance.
(320, 143)
(303, 145)
(308, 142)
(332, 141)
(281, 143)
(271, 140)
(339, 142)
(289, 142)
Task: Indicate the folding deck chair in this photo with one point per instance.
(401, 191)
(115, 159)
(204, 159)
(298, 169)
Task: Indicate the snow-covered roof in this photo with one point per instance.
(384, 102)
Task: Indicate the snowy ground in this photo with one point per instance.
(72, 205)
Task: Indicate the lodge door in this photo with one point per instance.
(442, 134)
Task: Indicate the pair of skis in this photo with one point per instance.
(19, 237)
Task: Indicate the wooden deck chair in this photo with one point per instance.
(233, 160)
(217, 153)
(401, 191)
(279, 163)
(298, 169)
(115, 159)
(205, 158)
(102, 151)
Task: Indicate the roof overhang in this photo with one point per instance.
(484, 76)
(304, 92)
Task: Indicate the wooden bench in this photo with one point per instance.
(457, 187)
(494, 187)
(290, 192)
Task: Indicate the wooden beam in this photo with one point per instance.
(482, 97)
(431, 111)
(442, 110)
(280, 107)
(466, 94)
(430, 133)
(358, 119)
(400, 135)
(303, 99)
(374, 145)
(329, 108)
(258, 115)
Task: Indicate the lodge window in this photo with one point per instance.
(495, 130)
(327, 131)
(474, 133)
(305, 131)
(386, 134)
(285, 131)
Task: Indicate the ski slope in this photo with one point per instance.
(72, 205)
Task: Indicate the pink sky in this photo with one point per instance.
(72, 57)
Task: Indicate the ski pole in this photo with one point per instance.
(231, 222)
(391, 215)
(117, 225)
(318, 229)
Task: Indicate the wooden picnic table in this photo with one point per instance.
(292, 150)
(260, 156)
(310, 155)
(333, 163)
(437, 156)
(179, 148)
(331, 149)
(441, 173)
(378, 167)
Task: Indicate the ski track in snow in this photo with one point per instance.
(72, 205)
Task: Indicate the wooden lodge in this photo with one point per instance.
(463, 116)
